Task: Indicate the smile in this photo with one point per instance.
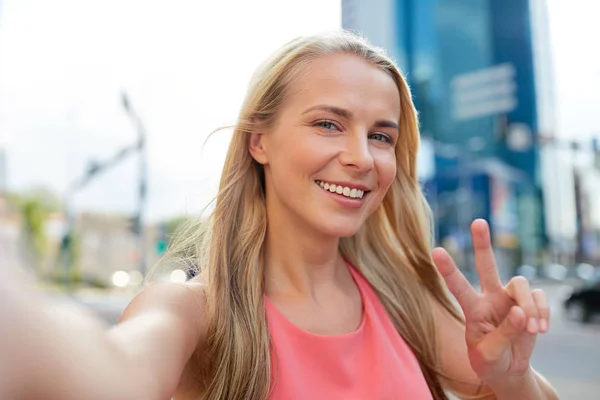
(352, 193)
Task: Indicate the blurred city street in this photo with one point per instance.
(569, 355)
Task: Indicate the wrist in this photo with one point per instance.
(523, 386)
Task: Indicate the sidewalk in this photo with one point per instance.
(572, 389)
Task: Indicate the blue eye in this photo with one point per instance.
(328, 125)
(380, 137)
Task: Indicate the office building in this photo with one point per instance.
(478, 70)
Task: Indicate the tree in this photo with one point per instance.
(34, 208)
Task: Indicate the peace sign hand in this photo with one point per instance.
(501, 322)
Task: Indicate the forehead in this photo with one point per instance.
(347, 81)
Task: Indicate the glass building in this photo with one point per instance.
(473, 69)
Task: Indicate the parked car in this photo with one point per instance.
(584, 302)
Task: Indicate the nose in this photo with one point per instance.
(357, 154)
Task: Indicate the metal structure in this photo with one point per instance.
(143, 179)
(95, 168)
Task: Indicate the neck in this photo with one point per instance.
(299, 260)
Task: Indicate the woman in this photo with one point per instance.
(316, 279)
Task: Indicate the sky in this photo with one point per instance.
(574, 33)
(185, 65)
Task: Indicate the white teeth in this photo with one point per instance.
(343, 190)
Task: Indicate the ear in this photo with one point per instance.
(257, 148)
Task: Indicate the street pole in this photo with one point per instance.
(66, 258)
(142, 183)
(142, 190)
(465, 189)
(67, 251)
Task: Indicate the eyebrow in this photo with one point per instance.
(347, 114)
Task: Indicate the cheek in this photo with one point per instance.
(303, 157)
(386, 170)
(287, 169)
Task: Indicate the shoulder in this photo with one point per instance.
(181, 301)
(160, 329)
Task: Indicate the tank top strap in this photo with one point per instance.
(366, 291)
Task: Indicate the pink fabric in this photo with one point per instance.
(371, 363)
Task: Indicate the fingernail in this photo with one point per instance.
(532, 325)
(543, 325)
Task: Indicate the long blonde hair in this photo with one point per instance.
(392, 249)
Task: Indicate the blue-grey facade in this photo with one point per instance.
(470, 64)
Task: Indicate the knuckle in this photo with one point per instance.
(542, 305)
(539, 293)
(532, 311)
(544, 311)
(541, 302)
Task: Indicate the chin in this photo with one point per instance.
(341, 230)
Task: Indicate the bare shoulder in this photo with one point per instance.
(183, 301)
(160, 330)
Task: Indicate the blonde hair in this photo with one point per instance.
(392, 249)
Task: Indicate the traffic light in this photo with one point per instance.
(161, 244)
(160, 247)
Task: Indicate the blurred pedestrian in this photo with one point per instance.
(316, 278)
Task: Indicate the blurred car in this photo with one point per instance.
(584, 301)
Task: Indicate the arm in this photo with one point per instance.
(57, 352)
(465, 383)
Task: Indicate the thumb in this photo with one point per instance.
(509, 330)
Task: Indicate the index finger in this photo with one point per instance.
(485, 262)
(458, 285)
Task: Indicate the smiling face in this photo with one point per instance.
(330, 157)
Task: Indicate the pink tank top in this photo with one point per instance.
(373, 362)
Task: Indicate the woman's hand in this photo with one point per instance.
(502, 322)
